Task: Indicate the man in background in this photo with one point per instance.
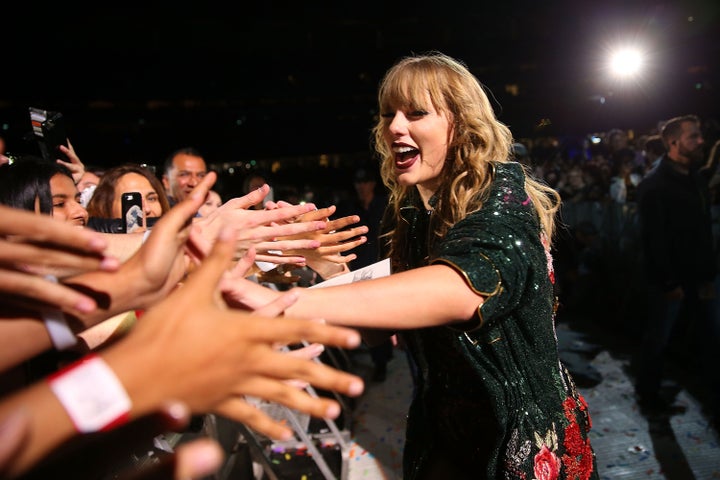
(680, 267)
(183, 171)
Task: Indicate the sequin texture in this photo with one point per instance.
(496, 400)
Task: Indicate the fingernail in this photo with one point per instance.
(109, 264)
(178, 410)
(356, 388)
(206, 460)
(353, 340)
(98, 244)
(332, 411)
(85, 305)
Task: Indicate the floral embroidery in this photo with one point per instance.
(516, 456)
(547, 465)
(578, 459)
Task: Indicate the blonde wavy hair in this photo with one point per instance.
(478, 141)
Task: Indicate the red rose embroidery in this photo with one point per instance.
(547, 465)
(578, 459)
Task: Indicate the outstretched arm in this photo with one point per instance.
(423, 297)
(220, 359)
(146, 277)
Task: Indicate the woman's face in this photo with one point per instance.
(134, 182)
(419, 139)
(66, 201)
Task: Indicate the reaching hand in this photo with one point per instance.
(33, 245)
(334, 239)
(262, 229)
(221, 355)
(76, 167)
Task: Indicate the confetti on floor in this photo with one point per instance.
(627, 444)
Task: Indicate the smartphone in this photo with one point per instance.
(132, 212)
(49, 130)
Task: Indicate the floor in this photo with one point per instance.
(628, 445)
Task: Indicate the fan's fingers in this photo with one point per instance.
(252, 417)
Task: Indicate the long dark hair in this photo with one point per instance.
(25, 183)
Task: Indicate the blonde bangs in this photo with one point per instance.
(406, 88)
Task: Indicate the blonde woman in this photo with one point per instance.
(471, 292)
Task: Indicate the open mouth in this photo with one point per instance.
(405, 156)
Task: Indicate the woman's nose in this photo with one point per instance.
(398, 125)
(78, 211)
(146, 207)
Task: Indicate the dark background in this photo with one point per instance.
(268, 79)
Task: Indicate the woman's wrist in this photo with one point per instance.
(111, 295)
(143, 384)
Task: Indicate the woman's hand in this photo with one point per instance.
(33, 245)
(269, 232)
(221, 355)
(327, 259)
(152, 271)
(76, 167)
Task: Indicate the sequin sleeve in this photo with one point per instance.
(498, 247)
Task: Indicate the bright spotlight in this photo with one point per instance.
(627, 62)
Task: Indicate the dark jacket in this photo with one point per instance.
(676, 227)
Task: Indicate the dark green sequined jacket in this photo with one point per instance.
(497, 398)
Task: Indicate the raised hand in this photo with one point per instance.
(223, 355)
(76, 167)
(334, 239)
(264, 230)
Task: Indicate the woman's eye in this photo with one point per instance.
(59, 205)
(418, 113)
(387, 115)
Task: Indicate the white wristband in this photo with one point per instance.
(60, 333)
(146, 235)
(91, 394)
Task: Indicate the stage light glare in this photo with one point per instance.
(627, 62)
